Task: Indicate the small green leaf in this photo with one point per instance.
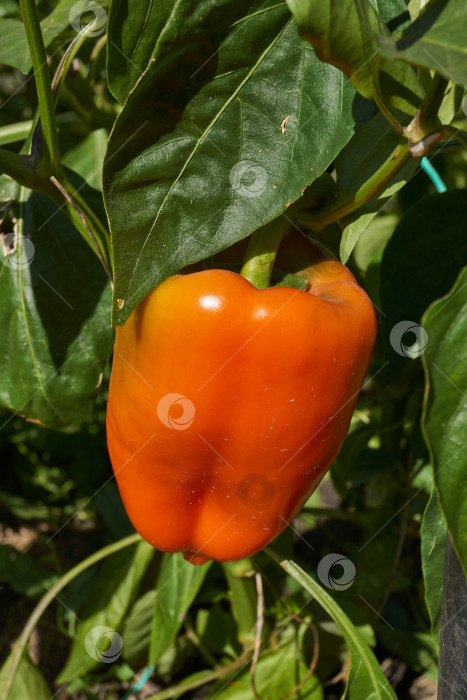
(177, 586)
(283, 279)
(436, 40)
(445, 409)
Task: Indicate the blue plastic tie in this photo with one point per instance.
(147, 673)
(433, 174)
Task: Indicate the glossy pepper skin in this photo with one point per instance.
(228, 403)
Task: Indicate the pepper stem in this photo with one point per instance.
(262, 250)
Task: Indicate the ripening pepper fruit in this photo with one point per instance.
(228, 403)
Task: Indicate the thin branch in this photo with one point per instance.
(259, 630)
(42, 77)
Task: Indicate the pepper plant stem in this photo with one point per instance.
(10, 133)
(327, 215)
(17, 166)
(427, 119)
(42, 78)
(262, 250)
(244, 602)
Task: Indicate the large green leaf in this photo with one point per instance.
(68, 15)
(54, 309)
(445, 410)
(436, 40)
(222, 131)
(177, 586)
(345, 33)
(109, 599)
(133, 32)
(433, 549)
(365, 679)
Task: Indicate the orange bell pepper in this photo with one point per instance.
(229, 403)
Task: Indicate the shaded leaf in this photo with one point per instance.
(436, 40)
(133, 32)
(217, 630)
(445, 409)
(221, 132)
(55, 301)
(426, 252)
(433, 550)
(417, 649)
(67, 15)
(344, 33)
(23, 573)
